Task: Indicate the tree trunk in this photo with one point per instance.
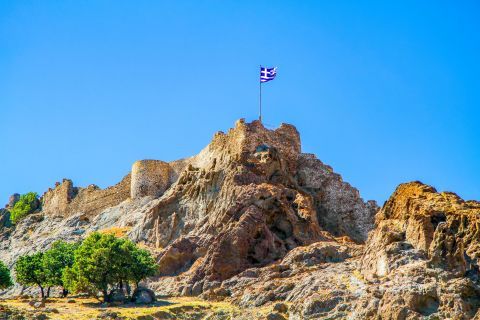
(127, 286)
(105, 295)
(64, 292)
(48, 292)
(42, 292)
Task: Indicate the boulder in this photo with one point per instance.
(117, 296)
(275, 316)
(109, 315)
(143, 296)
(280, 307)
(37, 304)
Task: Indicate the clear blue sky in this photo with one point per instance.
(384, 91)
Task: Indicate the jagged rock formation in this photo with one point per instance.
(245, 201)
(425, 253)
(253, 220)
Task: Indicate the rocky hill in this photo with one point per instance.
(254, 221)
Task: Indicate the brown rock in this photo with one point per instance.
(440, 226)
(275, 316)
(280, 307)
(425, 247)
(245, 201)
(37, 304)
(12, 200)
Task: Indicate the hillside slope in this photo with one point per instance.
(252, 220)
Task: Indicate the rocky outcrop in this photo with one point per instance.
(339, 207)
(245, 201)
(438, 227)
(12, 200)
(4, 218)
(424, 252)
(253, 220)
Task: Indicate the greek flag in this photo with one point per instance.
(267, 74)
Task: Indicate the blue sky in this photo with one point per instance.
(383, 91)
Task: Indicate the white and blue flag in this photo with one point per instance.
(267, 74)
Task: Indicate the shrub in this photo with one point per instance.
(5, 278)
(27, 204)
(104, 262)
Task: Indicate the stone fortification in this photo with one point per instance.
(150, 178)
(66, 199)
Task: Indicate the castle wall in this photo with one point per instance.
(65, 199)
(150, 178)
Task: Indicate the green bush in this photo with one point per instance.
(5, 278)
(104, 262)
(27, 204)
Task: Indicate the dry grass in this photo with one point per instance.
(118, 232)
(89, 309)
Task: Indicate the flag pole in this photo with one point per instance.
(260, 85)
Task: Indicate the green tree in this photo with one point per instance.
(27, 204)
(104, 262)
(5, 278)
(55, 260)
(142, 266)
(29, 271)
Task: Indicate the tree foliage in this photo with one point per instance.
(143, 266)
(100, 264)
(104, 262)
(29, 271)
(55, 260)
(5, 278)
(25, 205)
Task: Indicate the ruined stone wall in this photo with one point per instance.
(150, 178)
(65, 199)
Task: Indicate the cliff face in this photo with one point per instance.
(245, 201)
(425, 253)
(253, 220)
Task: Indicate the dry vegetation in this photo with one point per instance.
(86, 308)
